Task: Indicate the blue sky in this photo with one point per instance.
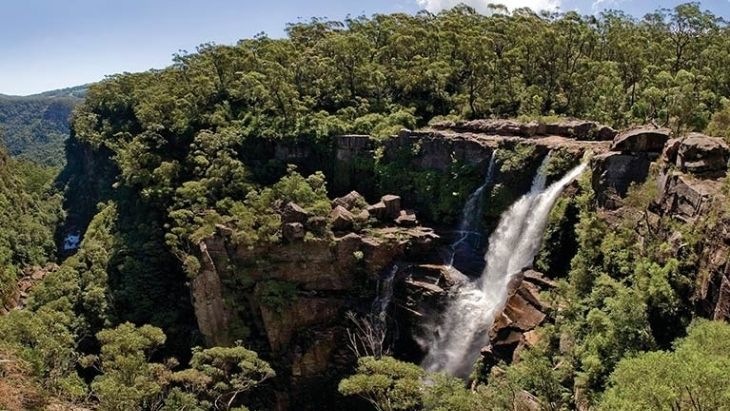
(48, 44)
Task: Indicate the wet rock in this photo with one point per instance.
(293, 213)
(392, 205)
(341, 219)
(613, 174)
(700, 154)
(293, 231)
(522, 314)
(351, 201)
(407, 218)
(641, 140)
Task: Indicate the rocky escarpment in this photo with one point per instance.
(690, 180)
(288, 300)
(689, 175)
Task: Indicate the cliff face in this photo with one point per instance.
(289, 300)
(689, 178)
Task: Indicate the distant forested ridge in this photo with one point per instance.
(34, 127)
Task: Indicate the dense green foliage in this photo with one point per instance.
(693, 376)
(29, 212)
(35, 127)
(171, 155)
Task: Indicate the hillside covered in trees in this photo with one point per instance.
(35, 127)
(224, 265)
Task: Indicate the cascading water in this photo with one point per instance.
(464, 326)
(385, 295)
(469, 224)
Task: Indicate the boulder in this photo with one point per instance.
(317, 225)
(392, 205)
(685, 197)
(641, 140)
(363, 216)
(670, 150)
(407, 218)
(351, 201)
(378, 210)
(293, 231)
(293, 213)
(345, 247)
(700, 154)
(613, 174)
(341, 219)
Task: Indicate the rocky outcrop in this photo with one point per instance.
(288, 300)
(613, 174)
(211, 312)
(713, 287)
(641, 140)
(684, 196)
(514, 329)
(281, 323)
(293, 213)
(703, 155)
(576, 129)
(353, 164)
(341, 219)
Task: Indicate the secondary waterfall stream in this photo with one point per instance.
(469, 224)
(463, 328)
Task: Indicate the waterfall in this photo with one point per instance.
(385, 295)
(472, 212)
(463, 328)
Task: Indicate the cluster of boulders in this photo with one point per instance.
(353, 208)
(348, 213)
(570, 128)
(633, 151)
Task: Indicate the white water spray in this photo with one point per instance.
(464, 326)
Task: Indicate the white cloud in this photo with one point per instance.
(599, 5)
(481, 5)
